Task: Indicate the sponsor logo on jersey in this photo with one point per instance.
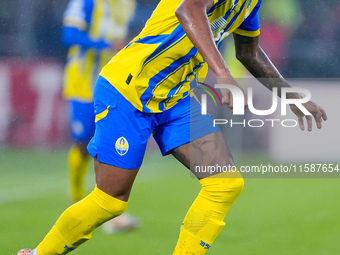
(122, 146)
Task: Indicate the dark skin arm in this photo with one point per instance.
(192, 14)
(251, 55)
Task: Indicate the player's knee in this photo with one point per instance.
(222, 190)
(117, 209)
(234, 186)
(112, 205)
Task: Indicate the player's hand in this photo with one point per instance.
(317, 112)
(227, 96)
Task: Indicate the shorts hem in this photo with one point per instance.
(104, 160)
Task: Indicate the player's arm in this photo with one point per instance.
(252, 56)
(73, 36)
(77, 19)
(192, 14)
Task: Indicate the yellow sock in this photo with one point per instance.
(76, 224)
(205, 219)
(77, 166)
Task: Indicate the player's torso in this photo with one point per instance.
(155, 70)
(106, 20)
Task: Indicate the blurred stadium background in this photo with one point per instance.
(273, 216)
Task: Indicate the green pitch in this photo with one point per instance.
(272, 216)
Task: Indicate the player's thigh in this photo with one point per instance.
(205, 154)
(119, 142)
(192, 137)
(115, 181)
(182, 124)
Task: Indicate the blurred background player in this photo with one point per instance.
(94, 30)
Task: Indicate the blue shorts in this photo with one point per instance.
(81, 120)
(122, 131)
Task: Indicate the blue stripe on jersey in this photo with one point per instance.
(252, 22)
(234, 18)
(232, 21)
(174, 38)
(219, 44)
(227, 14)
(185, 94)
(213, 8)
(174, 90)
(162, 76)
(153, 39)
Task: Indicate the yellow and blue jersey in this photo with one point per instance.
(156, 68)
(101, 23)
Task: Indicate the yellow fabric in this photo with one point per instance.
(161, 61)
(247, 33)
(110, 23)
(205, 218)
(77, 167)
(75, 225)
(102, 115)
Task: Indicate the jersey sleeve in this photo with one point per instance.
(78, 14)
(251, 25)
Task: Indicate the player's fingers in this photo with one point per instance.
(226, 100)
(309, 122)
(228, 106)
(301, 124)
(318, 120)
(231, 102)
(245, 103)
(323, 114)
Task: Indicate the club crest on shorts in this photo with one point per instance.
(122, 146)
